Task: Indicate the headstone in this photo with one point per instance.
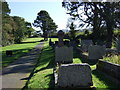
(50, 42)
(85, 44)
(66, 43)
(74, 75)
(56, 43)
(96, 52)
(9, 53)
(64, 54)
(60, 38)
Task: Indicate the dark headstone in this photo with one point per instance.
(9, 53)
(60, 38)
(56, 43)
(50, 42)
(66, 43)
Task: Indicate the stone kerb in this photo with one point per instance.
(74, 75)
(96, 52)
(64, 54)
(118, 44)
(109, 68)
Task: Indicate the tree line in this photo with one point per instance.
(103, 17)
(14, 28)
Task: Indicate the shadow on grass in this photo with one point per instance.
(106, 81)
(46, 58)
(6, 60)
(51, 83)
(49, 66)
(95, 72)
(83, 58)
(28, 42)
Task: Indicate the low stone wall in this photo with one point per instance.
(109, 68)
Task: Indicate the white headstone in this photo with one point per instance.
(96, 52)
(74, 75)
(64, 54)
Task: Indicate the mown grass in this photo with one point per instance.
(42, 76)
(99, 81)
(113, 59)
(18, 50)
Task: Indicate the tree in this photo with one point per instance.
(98, 15)
(45, 22)
(14, 28)
(8, 25)
(21, 29)
(110, 14)
(29, 29)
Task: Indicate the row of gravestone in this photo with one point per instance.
(86, 43)
(75, 75)
(97, 51)
(70, 75)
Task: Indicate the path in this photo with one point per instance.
(16, 74)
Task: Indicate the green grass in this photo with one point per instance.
(18, 50)
(99, 81)
(42, 76)
(113, 59)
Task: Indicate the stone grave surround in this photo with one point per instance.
(96, 52)
(74, 75)
(118, 44)
(64, 54)
(85, 44)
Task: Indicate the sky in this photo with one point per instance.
(29, 9)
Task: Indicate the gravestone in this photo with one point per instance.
(66, 43)
(56, 43)
(50, 42)
(9, 53)
(64, 54)
(74, 75)
(60, 38)
(118, 44)
(96, 52)
(85, 44)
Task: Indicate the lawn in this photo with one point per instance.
(113, 59)
(42, 76)
(18, 50)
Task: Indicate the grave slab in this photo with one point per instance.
(74, 75)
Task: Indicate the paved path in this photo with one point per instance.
(15, 75)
